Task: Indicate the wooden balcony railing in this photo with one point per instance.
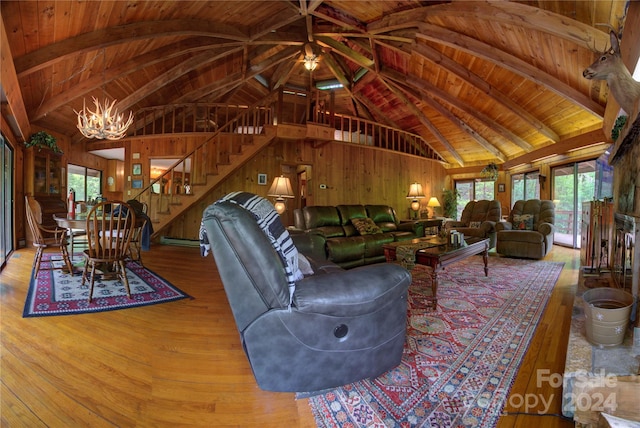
(290, 107)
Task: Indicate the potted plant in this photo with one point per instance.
(42, 139)
(450, 203)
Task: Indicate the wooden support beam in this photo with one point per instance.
(15, 110)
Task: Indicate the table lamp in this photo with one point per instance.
(281, 188)
(433, 204)
(415, 193)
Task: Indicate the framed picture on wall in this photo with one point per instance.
(501, 187)
(137, 169)
(262, 179)
(136, 184)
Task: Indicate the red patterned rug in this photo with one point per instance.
(56, 292)
(460, 360)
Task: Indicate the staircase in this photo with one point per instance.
(232, 145)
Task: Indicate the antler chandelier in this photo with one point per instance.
(103, 123)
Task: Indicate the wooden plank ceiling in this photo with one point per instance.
(480, 81)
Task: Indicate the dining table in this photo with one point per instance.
(79, 222)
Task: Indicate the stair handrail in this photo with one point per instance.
(266, 103)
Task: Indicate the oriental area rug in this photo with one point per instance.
(459, 361)
(56, 292)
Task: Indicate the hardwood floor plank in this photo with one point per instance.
(182, 363)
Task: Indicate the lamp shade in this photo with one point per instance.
(281, 188)
(433, 202)
(415, 191)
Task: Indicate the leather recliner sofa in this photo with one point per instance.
(528, 233)
(479, 219)
(339, 327)
(344, 244)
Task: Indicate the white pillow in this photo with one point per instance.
(304, 265)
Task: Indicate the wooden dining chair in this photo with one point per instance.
(110, 226)
(46, 238)
(135, 248)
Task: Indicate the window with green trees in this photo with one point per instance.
(86, 182)
(473, 190)
(525, 186)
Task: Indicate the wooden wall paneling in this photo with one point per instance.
(353, 174)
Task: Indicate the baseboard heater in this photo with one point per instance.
(166, 240)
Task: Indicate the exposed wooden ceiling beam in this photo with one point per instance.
(185, 47)
(402, 83)
(56, 52)
(421, 117)
(472, 79)
(505, 60)
(433, 91)
(595, 136)
(11, 88)
(234, 79)
(336, 70)
(506, 12)
(346, 51)
(465, 127)
(174, 73)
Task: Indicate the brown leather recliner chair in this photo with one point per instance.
(479, 219)
(528, 233)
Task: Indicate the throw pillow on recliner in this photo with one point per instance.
(523, 222)
(365, 226)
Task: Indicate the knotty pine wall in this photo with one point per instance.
(352, 175)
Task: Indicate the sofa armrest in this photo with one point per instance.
(310, 244)
(353, 292)
(545, 228)
(488, 226)
(503, 225)
(454, 223)
(414, 226)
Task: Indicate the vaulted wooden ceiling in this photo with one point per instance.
(480, 81)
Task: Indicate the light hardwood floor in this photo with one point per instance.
(181, 363)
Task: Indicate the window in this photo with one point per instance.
(86, 182)
(473, 190)
(525, 186)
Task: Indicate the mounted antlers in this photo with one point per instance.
(609, 67)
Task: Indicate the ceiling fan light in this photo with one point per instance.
(310, 57)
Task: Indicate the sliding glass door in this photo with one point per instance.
(573, 184)
(6, 206)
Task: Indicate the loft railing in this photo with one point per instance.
(289, 106)
(361, 131)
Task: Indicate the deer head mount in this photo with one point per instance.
(610, 67)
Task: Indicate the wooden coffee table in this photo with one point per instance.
(438, 253)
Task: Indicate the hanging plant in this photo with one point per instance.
(617, 127)
(490, 172)
(43, 140)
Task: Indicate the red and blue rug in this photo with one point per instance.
(460, 360)
(56, 292)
